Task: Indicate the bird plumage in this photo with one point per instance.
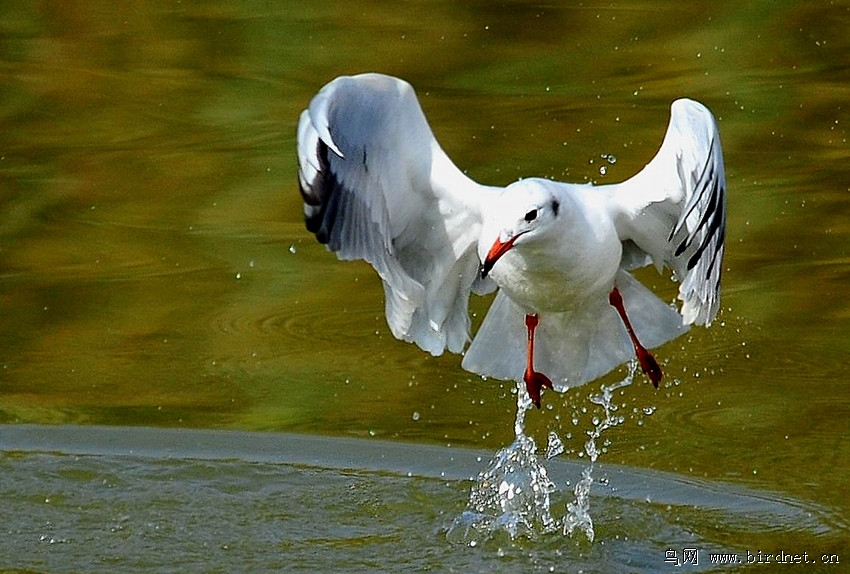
(377, 186)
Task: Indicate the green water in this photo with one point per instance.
(154, 268)
(127, 499)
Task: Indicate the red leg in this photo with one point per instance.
(534, 381)
(648, 364)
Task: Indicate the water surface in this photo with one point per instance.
(129, 499)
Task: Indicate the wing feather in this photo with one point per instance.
(377, 186)
(674, 210)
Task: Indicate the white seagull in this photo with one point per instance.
(377, 186)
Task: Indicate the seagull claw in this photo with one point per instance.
(649, 366)
(534, 383)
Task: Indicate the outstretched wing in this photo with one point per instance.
(674, 210)
(377, 186)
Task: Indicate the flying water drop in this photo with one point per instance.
(578, 511)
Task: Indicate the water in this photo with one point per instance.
(578, 512)
(155, 272)
(106, 499)
(513, 493)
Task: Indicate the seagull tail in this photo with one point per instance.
(576, 347)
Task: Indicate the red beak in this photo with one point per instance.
(498, 249)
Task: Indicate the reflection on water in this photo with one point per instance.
(148, 207)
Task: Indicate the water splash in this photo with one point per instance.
(554, 445)
(513, 494)
(578, 511)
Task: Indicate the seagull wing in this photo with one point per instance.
(377, 186)
(673, 212)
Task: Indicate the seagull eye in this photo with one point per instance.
(531, 215)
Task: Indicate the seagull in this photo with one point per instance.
(377, 186)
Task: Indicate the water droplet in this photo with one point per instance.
(554, 446)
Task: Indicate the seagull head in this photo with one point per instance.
(522, 215)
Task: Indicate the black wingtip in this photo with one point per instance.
(321, 197)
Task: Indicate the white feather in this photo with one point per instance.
(679, 199)
(400, 204)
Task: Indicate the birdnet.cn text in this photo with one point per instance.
(695, 557)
